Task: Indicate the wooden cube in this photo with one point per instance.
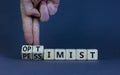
(59, 54)
(70, 54)
(49, 54)
(38, 52)
(26, 52)
(92, 54)
(81, 54)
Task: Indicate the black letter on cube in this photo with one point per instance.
(26, 52)
(60, 55)
(38, 56)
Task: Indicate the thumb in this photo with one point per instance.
(28, 8)
(33, 12)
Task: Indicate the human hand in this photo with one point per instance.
(32, 11)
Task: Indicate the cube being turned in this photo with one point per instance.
(26, 52)
(38, 52)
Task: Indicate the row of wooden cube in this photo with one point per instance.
(38, 52)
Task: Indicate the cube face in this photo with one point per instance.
(70, 54)
(49, 54)
(26, 52)
(81, 54)
(92, 54)
(59, 54)
(38, 52)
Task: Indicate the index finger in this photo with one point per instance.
(27, 28)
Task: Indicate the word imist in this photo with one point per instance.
(38, 52)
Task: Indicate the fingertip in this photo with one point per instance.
(36, 43)
(45, 19)
(29, 40)
(51, 8)
(28, 37)
(44, 12)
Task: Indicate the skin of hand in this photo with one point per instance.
(32, 12)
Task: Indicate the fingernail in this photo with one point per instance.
(37, 14)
